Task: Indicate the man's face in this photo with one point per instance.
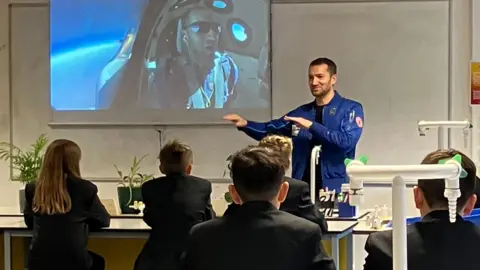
(320, 80)
(201, 34)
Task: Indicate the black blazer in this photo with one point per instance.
(298, 203)
(256, 236)
(433, 243)
(173, 204)
(60, 241)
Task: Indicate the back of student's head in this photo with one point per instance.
(278, 143)
(433, 190)
(61, 159)
(176, 158)
(258, 175)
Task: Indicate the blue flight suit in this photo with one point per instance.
(338, 135)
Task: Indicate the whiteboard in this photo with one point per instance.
(391, 56)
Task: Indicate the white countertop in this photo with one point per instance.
(10, 211)
(15, 212)
(339, 226)
(125, 224)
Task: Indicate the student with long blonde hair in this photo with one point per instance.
(298, 200)
(61, 208)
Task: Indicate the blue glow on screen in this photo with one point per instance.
(219, 4)
(86, 35)
(239, 32)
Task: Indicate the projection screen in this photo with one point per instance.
(162, 62)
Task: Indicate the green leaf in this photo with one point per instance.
(347, 161)
(25, 163)
(134, 179)
(118, 171)
(363, 159)
(457, 158)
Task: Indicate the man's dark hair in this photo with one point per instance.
(433, 189)
(331, 66)
(257, 173)
(175, 157)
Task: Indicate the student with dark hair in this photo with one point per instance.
(298, 201)
(173, 204)
(61, 208)
(257, 235)
(434, 242)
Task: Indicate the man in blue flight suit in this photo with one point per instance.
(332, 121)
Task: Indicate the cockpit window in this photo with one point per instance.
(240, 32)
(220, 6)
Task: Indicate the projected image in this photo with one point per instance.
(160, 54)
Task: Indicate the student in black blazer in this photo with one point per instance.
(61, 209)
(434, 242)
(257, 235)
(298, 201)
(173, 204)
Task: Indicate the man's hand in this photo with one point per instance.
(236, 119)
(299, 121)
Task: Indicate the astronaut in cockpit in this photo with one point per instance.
(198, 76)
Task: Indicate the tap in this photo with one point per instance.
(422, 131)
(452, 187)
(356, 185)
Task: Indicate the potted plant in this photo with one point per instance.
(129, 189)
(26, 163)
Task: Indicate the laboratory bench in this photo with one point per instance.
(15, 212)
(363, 229)
(123, 240)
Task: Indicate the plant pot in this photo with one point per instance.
(124, 198)
(22, 200)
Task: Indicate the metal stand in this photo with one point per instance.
(314, 157)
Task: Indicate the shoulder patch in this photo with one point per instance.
(359, 121)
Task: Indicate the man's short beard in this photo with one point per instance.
(324, 93)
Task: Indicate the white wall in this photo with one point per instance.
(475, 30)
(475, 52)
